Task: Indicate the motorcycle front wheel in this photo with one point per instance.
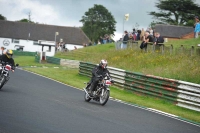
(2, 80)
(87, 98)
(105, 97)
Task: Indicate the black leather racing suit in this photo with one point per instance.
(97, 72)
(5, 60)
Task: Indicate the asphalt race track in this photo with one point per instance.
(33, 104)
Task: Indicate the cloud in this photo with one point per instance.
(69, 12)
(19, 9)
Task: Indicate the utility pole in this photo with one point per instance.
(29, 16)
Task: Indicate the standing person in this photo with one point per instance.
(151, 31)
(99, 42)
(3, 50)
(125, 40)
(158, 39)
(142, 34)
(105, 39)
(134, 34)
(101, 39)
(196, 27)
(138, 35)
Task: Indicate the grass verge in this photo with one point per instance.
(27, 61)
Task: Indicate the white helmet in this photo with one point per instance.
(103, 63)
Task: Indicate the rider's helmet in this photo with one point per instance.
(9, 53)
(103, 63)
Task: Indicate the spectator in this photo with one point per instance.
(57, 46)
(138, 35)
(146, 38)
(133, 31)
(60, 46)
(142, 34)
(158, 39)
(84, 44)
(63, 47)
(108, 39)
(125, 40)
(105, 39)
(196, 27)
(90, 43)
(99, 42)
(3, 50)
(75, 48)
(101, 39)
(151, 31)
(130, 36)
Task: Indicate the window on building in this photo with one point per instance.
(35, 42)
(49, 49)
(15, 40)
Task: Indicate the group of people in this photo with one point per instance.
(104, 40)
(145, 36)
(155, 39)
(60, 46)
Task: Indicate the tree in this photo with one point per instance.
(2, 17)
(153, 24)
(176, 12)
(97, 22)
(25, 20)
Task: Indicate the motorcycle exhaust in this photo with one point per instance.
(87, 93)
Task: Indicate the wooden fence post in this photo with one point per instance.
(171, 49)
(182, 48)
(192, 50)
(162, 49)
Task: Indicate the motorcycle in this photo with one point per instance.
(4, 74)
(101, 93)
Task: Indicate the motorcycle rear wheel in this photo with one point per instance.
(104, 99)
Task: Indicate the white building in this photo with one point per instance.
(38, 37)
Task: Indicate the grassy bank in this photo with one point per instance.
(176, 66)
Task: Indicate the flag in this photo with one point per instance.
(126, 17)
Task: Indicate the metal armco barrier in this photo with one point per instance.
(181, 93)
(53, 60)
(150, 85)
(189, 95)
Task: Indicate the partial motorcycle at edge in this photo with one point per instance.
(4, 73)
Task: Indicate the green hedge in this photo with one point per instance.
(24, 53)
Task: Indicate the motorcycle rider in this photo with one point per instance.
(7, 58)
(97, 73)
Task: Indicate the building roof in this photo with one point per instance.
(173, 31)
(32, 31)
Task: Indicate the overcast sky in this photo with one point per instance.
(69, 12)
